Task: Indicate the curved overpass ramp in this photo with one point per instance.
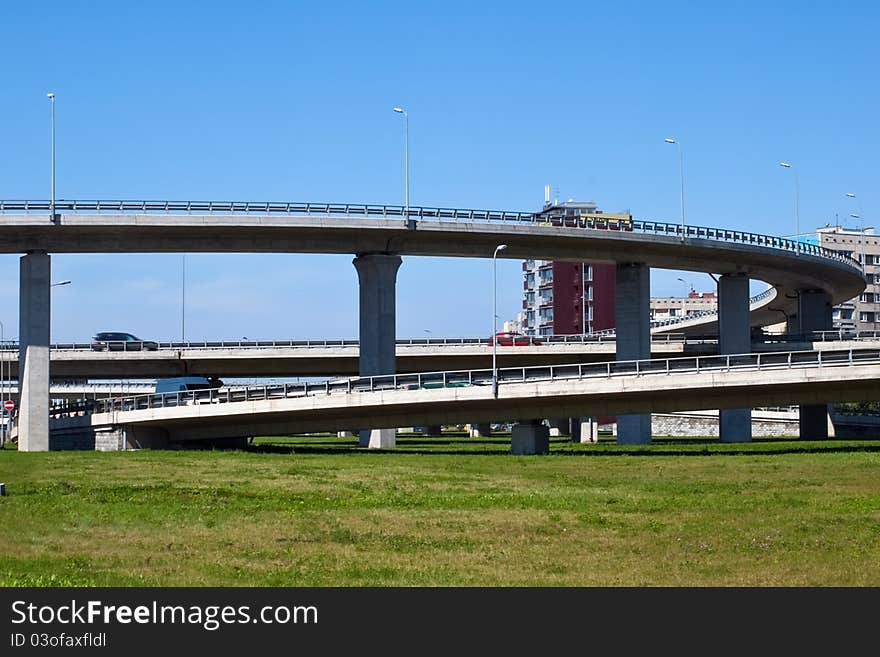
(147, 227)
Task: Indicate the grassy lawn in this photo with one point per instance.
(317, 511)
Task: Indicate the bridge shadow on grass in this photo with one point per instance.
(563, 447)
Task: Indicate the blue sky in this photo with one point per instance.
(292, 101)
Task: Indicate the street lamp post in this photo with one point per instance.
(400, 110)
(51, 97)
(797, 210)
(860, 217)
(59, 283)
(672, 140)
(687, 285)
(183, 298)
(500, 247)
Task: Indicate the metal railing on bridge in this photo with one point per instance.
(149, 345)
(643, 226)
(469, 378)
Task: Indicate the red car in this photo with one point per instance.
(513, 339)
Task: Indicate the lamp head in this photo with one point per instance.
(785, 164)
(850, 194)
(50, 96)
(670, 140)
(399, 110)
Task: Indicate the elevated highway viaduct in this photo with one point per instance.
(613, 388)
(317, 358)
(805, 279)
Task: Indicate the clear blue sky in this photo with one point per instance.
(292, 101)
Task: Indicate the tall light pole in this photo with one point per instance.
(500, 247)
(797, 209)
(687, 285)
(183, 298)
(51, 97)
(400, 110)
(860, 216)
(672, 140)
(60, 283)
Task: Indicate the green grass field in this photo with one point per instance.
(317, 511)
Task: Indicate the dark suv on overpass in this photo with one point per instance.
(112, 341)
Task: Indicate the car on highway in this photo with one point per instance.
(174, 391)
(513, 339)
(116, 341)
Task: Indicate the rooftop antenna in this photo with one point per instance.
(556, 200)
(546, 195)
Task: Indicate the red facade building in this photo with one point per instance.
(564, 298)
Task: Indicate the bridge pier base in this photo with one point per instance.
(527, 438)
(633, 330)
(377, 278)
(734, 337)
(33, 356)
(559, 426)
(814, 314)
(480, 430)
(584, 430)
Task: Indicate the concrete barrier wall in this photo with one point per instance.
(700, 424)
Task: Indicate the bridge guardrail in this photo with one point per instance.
(266, 344)
(467, 378)
(643, 226)
(590, 338)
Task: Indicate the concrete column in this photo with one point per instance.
(734, 337)
(480, 430)
(529, 438)
(33, 355)
(584, 430)
(377, 275)
(633, 328)
(814, 311)
(814, 314)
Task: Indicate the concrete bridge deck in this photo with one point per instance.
(605, 389)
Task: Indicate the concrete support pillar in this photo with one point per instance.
(531, 437)
(734, 337)
(559, 426)
(584, 430)
(633, 330)
(814, 314)
(345, 434)
(434, 430)
(33, 355)
(377, 275)
(814, 311)
(480, 430)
